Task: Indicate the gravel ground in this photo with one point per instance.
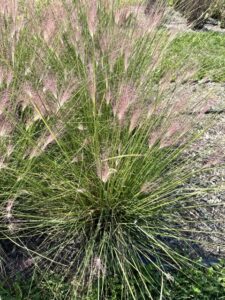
(209, 151)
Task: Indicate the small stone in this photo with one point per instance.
(212, 21)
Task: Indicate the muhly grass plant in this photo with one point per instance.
(93, 175)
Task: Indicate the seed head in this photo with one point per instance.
(134, 119)
(122, 15)
(9, 206)
(12, 227)
(4, 101)
(50, 23)
(50, 85)
(103, 171)
(9, 8)
(26, 264)
(92, 17)
(98, 266)
(9, 78)
(66, 94)
(127, 97)
(154, 137)
(44, 141)
(6, 127)
(35, 99)
(174, 128)
(75, 25)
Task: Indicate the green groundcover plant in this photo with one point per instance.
(93, 172)
(202, 283)
(204, 49)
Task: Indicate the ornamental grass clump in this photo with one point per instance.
(93, 175)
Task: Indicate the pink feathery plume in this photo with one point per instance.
(8, 208)
(122, 15)
(49, 139)
(154, 138)
(9, 8)
(50, 85)
(12, 227)
(66, 94)
(29, 94)
(9, 216)
(92, 17)
(49, 28)
(127, 96)
(98, 266)
(105, 41)
(113, 56)
(174, 128)
(3, 7)
(167, 142)
(104, 172)
(17, 27)
(6, 76)
(43, 143)
(49, 24)
(4, 101)
(45, 140)
(6, 126)
(36, 100)
(14, 9)
(134, 119)
(9, 78)
(154, 19)
(175, 131)
(26, 263)
(75, 25)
